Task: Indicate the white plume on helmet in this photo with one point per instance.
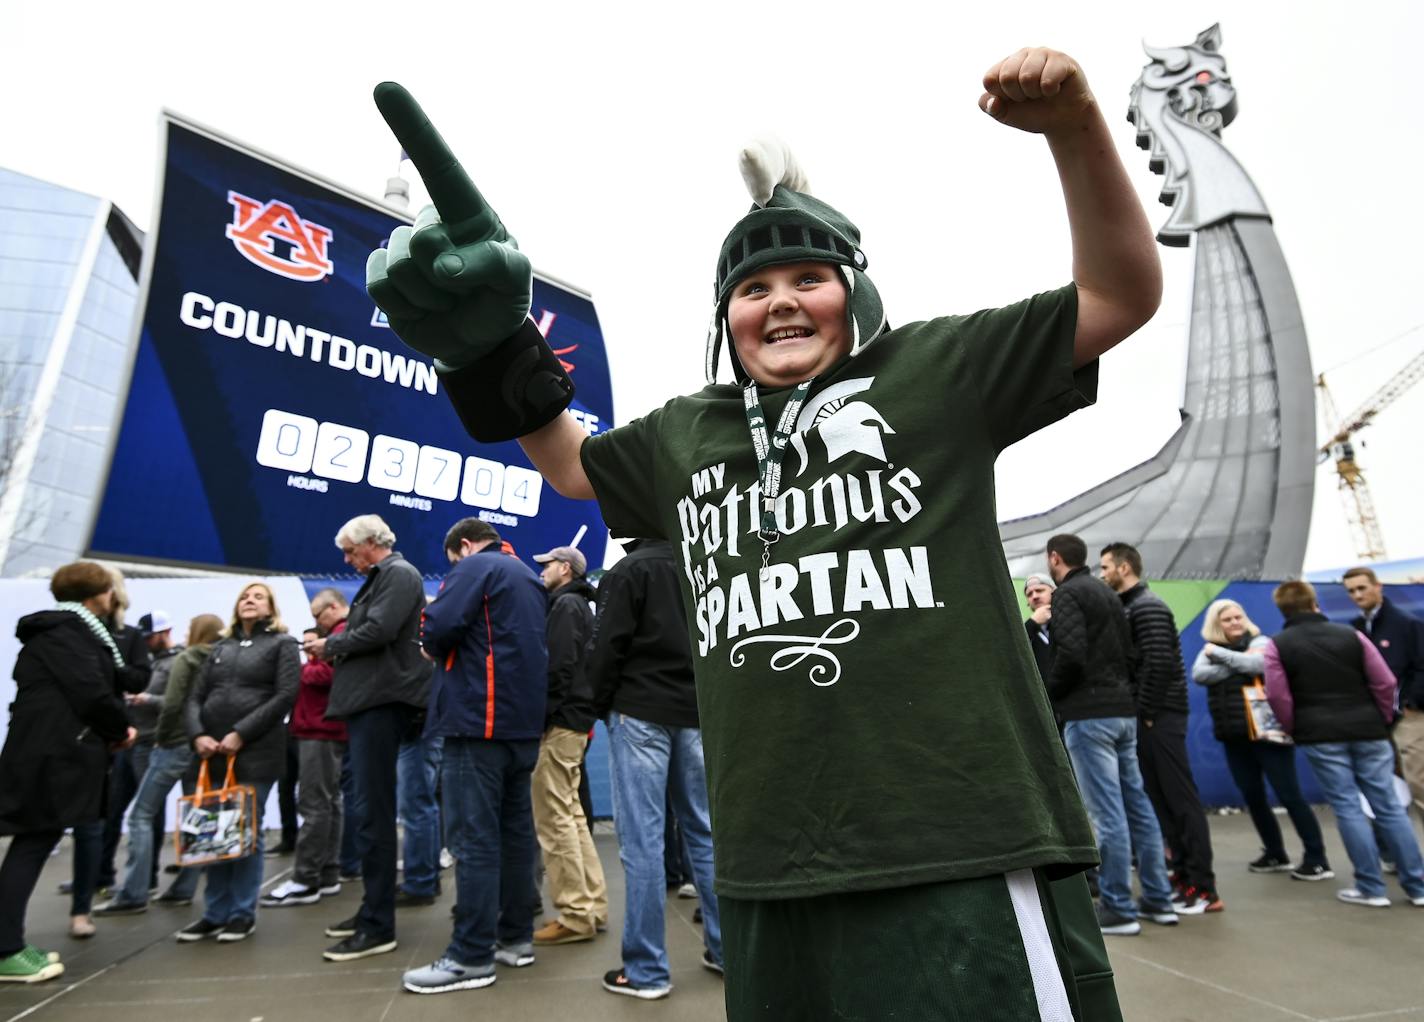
(766, 162)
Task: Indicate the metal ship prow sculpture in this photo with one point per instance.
(1229, 495)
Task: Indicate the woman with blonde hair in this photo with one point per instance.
(238, 705)
(1232, 660)
(168, 764)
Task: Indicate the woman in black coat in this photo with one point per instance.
(64, 721)
(237, 710)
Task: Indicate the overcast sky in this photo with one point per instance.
(606, 135)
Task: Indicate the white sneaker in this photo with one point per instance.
(1356, 897)
(687, 891)
(290, 893)
(446, 859)
(327, 890)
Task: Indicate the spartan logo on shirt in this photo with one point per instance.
(846, 426)
(739, 606)
(272, 235)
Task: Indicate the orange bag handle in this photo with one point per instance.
(1257, 685)
(205, 783)
(230, 778)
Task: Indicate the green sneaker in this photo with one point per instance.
(28, 965)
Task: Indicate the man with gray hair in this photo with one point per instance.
(379, 686)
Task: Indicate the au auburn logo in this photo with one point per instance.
(273, 236)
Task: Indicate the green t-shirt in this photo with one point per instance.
(871, 713)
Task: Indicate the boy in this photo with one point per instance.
(888, 796)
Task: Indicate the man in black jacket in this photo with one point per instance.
(576, 884)
(1400, 640)
(1089, 689)
(1038, 590)
(1160, 688)
(380, 683)
(640, 670)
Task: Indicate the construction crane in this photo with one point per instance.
(1354, 491)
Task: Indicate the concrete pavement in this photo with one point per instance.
(1282, 950)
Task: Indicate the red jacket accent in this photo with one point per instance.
(489, 674)
(309, 715)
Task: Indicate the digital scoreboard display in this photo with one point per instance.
(270, 403)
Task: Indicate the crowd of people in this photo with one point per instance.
(487, 693)
(466, 717)
(1109, 652)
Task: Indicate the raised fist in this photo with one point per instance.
(1038, 90)
(454, 285)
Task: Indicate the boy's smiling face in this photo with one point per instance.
(789, 322)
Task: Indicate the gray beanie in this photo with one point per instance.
(1038, 580)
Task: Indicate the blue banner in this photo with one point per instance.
(270, 402)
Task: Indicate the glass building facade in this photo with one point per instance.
(68, 293)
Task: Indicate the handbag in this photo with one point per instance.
(1261, 721)
(216, 824)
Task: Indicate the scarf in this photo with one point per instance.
(97, 627)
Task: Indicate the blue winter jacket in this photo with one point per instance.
(485, 629)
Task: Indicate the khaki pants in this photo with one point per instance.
(1409, 740)
(576, 884)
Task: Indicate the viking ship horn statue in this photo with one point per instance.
(1229, 495)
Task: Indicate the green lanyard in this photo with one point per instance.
(769, 451)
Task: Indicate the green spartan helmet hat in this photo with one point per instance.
(788, 225)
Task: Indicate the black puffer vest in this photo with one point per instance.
(1326, 669)
(1227, 703)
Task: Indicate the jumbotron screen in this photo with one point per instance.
(270, 402)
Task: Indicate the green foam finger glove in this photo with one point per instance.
(455, 285)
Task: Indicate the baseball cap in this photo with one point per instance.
(154, 621)
(1038, 580)
(572, 556)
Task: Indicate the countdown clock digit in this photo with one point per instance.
(340, 452)
(393, 463)
(287, 441)
(484, 483)
(522, 488)
(437, 474)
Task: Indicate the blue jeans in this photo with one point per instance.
(88, 850)
(1104, 756)
(233, 886)
(125, 775)
(417, 771)
(1346, 770)
(166, 768)
(491, 825)
(651, 762)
